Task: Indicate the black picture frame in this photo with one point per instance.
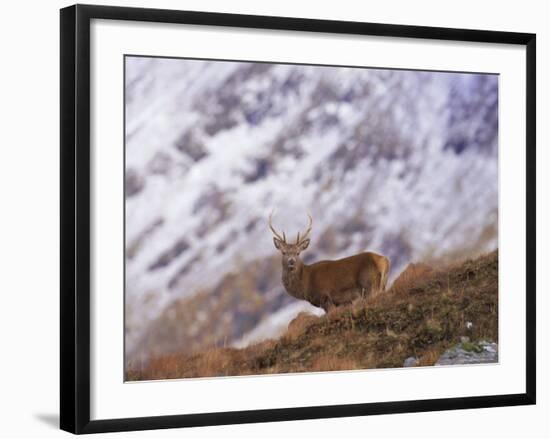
(75, 217)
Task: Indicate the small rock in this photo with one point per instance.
(410, 362)
(470, 353)
(453, 353)
(464, 339)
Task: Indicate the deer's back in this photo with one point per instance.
(344, 273)
(360, 259)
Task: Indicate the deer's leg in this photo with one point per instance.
(382, 275)
(388, 268)
(366, 286)
(377, 287)
(327, 303)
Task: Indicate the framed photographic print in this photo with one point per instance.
(305, 218)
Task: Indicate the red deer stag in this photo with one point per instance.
(327, 284)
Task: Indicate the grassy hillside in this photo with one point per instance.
(425, 312)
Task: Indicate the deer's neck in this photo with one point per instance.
(293, 281)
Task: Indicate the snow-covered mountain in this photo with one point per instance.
(399, 162)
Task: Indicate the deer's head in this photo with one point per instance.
(291, 251)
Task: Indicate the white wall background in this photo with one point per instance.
(29, 248)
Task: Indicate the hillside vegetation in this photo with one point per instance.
(424, 313)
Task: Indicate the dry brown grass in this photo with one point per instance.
(413, 275)
(429, 357)
(423, 313)
(327, 362)
(297, 326)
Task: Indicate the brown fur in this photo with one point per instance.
(326, 284)
(333, 283)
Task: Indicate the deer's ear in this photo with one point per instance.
(277, 243)
(304, 244)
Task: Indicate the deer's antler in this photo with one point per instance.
(283, 238)
(308, 231)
